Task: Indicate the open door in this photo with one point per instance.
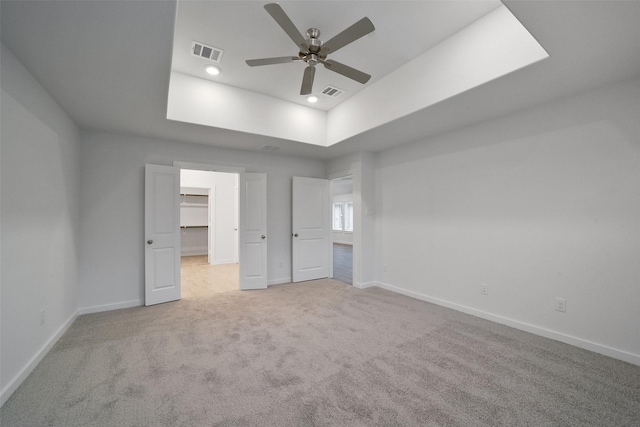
(253, 231)
(162, 234)
(311, 234)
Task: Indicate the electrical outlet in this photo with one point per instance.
(281, 265)
(41, 317)
(385, 268)
(561, 305)
(484, 289)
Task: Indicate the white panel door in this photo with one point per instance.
(253, 231)
(162, 234)
(311, 234)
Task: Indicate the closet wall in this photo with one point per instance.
(194, 221)
(222, 235)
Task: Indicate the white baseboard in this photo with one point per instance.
(516, 324)
(279, 281)
(109, 307)
(365, 285)
(224, 261)
(31, 364)
(344, 242)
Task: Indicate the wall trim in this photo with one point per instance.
(224, 261)
(516, 324)
(211, 167)
(366, 285)
(343, 242)
(13, 385)
(109, 307)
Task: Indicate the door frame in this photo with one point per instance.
(215, 168)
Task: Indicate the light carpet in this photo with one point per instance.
(318, 353)
(199, 279)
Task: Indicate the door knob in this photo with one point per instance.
(149, 242)
(295, 235)
(263, 237)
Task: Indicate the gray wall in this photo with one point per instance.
(40, 221)
(112, 213)
(537, 205)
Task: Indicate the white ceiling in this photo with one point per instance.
(244, 30)
(108, 64)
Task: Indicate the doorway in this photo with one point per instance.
(208, 232)
(342, 223)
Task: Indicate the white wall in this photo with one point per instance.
(361, 167)
(39, 222)
(493, 46)
(537, 205)
(208, 103)
(112, 191)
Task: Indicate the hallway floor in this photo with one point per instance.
(343, 263)
(200, 279)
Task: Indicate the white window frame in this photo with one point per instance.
(348, 217)
(342, 217)
(338, 223)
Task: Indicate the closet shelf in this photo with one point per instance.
(194, 205)
(195, 195)
(194, 226)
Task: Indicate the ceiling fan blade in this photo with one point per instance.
(270, 61)
(278, 14)
(346, 71)
(307, 80)
(351, 34)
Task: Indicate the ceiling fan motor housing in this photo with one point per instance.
(314, 44)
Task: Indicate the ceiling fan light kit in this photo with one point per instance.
(314, 51)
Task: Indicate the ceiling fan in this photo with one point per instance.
(313, 51)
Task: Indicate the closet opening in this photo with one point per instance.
(342, 223)
(208, 233)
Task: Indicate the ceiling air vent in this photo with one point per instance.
(332, 92)
(270, 148)
(207, 52)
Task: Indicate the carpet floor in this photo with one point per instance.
(317, 353)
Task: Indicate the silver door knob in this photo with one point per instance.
(263, 237)
(149, 242)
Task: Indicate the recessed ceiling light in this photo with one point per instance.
(212, 69)
(312, 99)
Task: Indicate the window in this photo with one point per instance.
(343, 216)
(348, 217)
(337, 216)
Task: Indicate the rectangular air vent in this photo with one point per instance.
(332, 92)
(207, 52)
(270, 148)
